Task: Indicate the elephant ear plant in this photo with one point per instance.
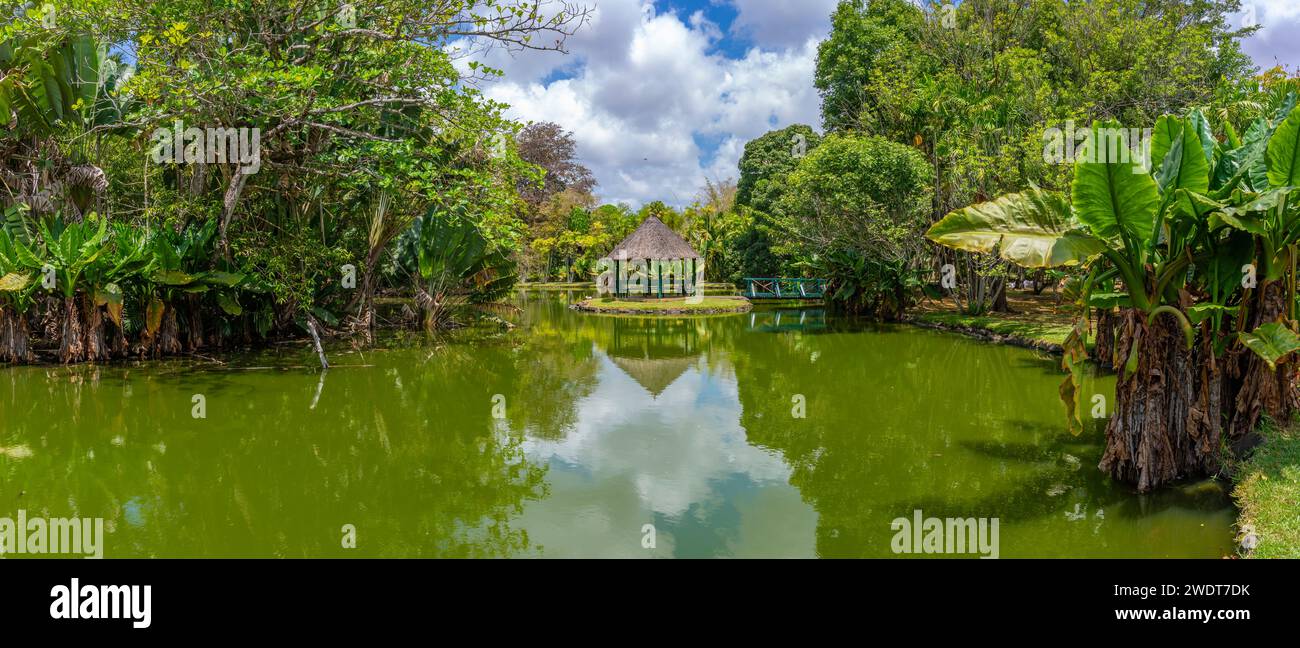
(181, 276)
(70, 248)
(18, 283)
(1197, 251)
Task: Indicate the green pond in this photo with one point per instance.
(772, 433)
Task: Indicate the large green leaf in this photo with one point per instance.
(1221, 273)
(1203, 134)
(229, 304)
(221, 278)
(1272, 342)
(172, 278)
(1033, 229)
(1113, 195)
(1197, 313)
(1240, 164)
(14, 282)
(1168, 130)
(1185, 166)
(1284, 153)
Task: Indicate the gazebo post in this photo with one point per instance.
(659, 276)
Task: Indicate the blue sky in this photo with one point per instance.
(661, 94)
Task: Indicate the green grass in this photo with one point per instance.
(1268, 493)
(655, 306)
(1052, 332)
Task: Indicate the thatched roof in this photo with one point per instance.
(653, 240)
(654, 374)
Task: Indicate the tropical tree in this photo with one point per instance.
(123, 264)
(55, 88)
(853, 211)
(711, 221)
(68, 249)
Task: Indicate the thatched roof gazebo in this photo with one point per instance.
(653, 261)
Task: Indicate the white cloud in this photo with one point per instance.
(1275, 43)
(671, 450)
(781, 23)
(645, 84)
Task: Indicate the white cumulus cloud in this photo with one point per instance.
(648, 94)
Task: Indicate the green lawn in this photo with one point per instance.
(1268, 493)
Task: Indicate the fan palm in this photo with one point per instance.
(453, 265)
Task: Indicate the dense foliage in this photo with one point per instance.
(250, 163)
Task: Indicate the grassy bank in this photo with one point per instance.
(1268, 493)
(1034, 319)
(679, 306)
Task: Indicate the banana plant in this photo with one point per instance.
(45, 84)
(52, 87)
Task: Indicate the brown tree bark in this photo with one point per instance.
(1257, 389)
(1103, 350)
(92, 330)
(72, 346)
(1164, 426)
(14, 337)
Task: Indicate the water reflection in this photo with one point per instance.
(571, 433)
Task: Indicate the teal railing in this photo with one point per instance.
(782, 288)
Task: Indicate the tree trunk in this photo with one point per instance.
(14, 337)
(1165, 423)
(72, 345)
(92, 330)
(229, 202)
(1104, 350)
(117, 345)
(193, 317)
(168, 340)
(1259, 389)
(1000, 297)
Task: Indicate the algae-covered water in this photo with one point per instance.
(772, 433)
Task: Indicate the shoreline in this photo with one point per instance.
(708, 306)
(987, 335)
